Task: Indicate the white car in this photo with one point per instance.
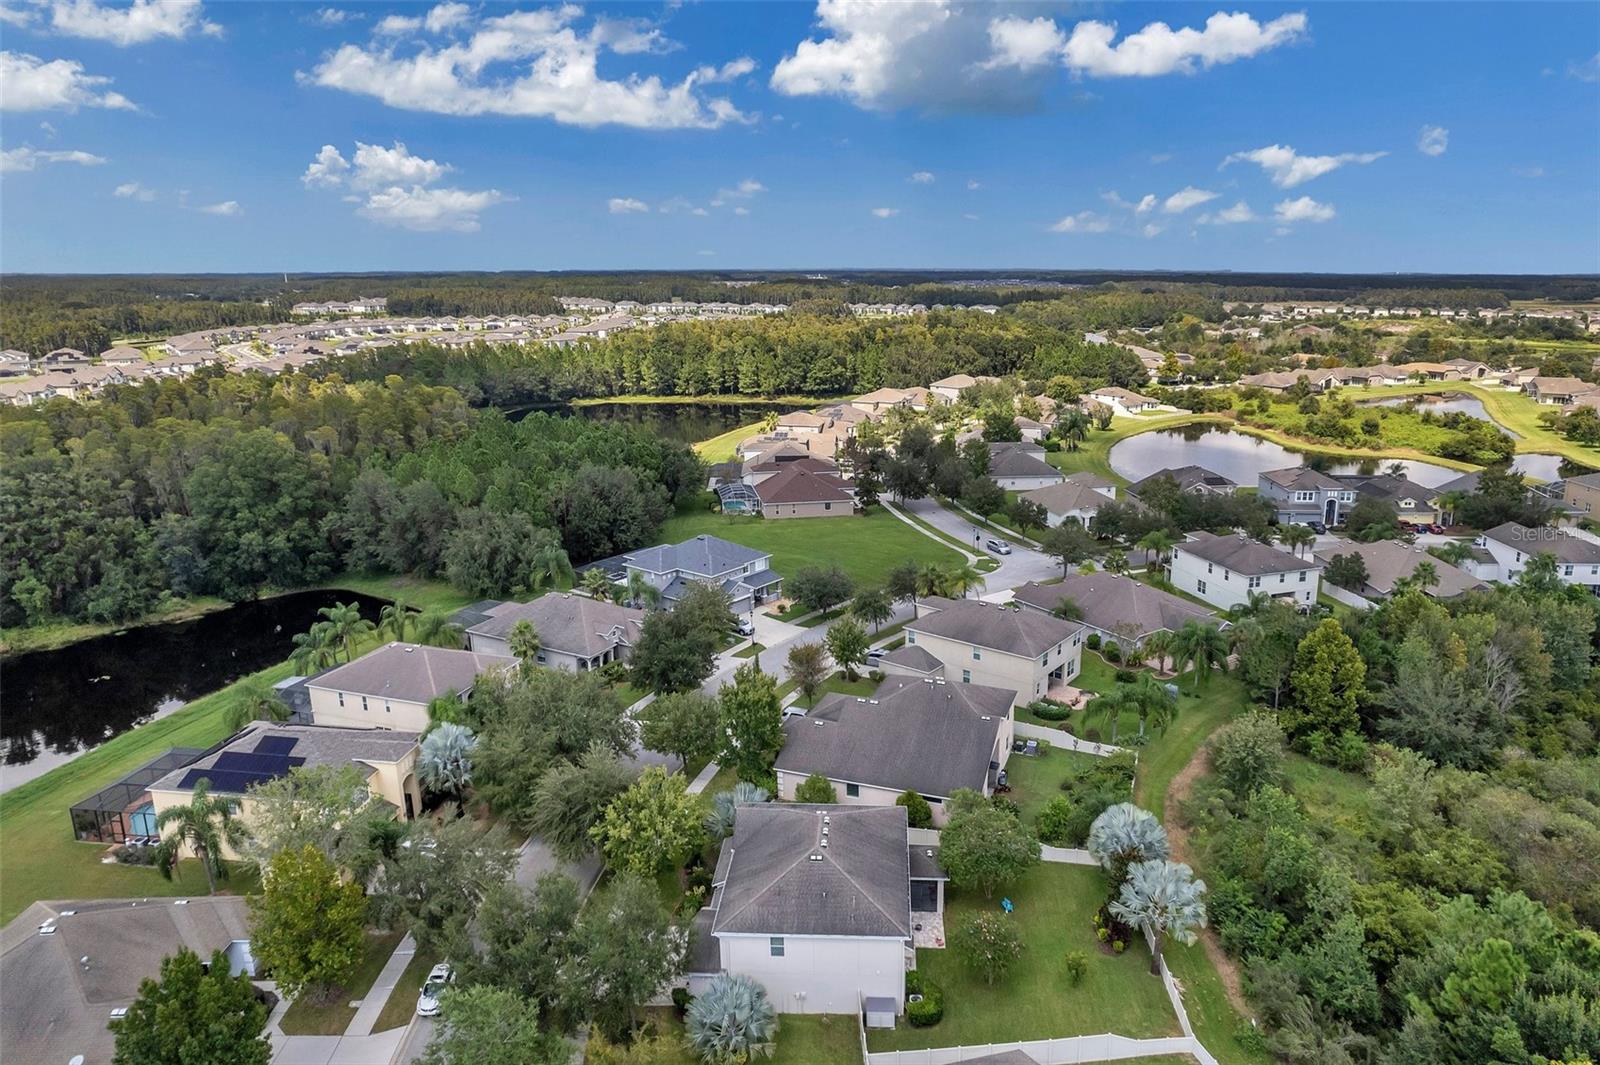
(440, 977)
(999, 547)
(746, 627)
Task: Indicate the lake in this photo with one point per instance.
(60, 703)
(1441, 403)
(687, 422)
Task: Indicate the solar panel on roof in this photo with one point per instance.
(223, 779)
(276, 744)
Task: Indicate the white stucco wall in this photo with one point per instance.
(1028, 677)
(1223, 588)
(820, 974)
(371, 711)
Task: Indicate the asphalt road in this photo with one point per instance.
(1024, 564)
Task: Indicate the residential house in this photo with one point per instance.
(815, 903)
(1556, 390)
(264, 751)
(1032, 431)
(949, 389)
(1581, 494)
(1194, 479)
(1388, 562)
(14, 363)
(64, 359)
(909, 660)
(1078, 498)
(927, 735)
(1510, 546)
(880, 400)
(1300, 495)
(1412, 503)
(392, 686)
(1121, 401)
(1023, 651)
(802, 422)
(797, 492)
(576, 633)
(1021, 466)
(1114, 606)
(744, 573)
(771, 463)
(1227, 570)
(122, 355)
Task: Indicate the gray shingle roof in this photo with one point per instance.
(922, 735)
(914, 657)
(1242, 555)
(861, 886)
(1187, 478)
(1302, 477)
(565, 622)
(1020, 632)
(1068, 496)
(410, 672)
(317, 744)
(1545, 540)
(1388, 561)
(1108, 601)
(796, 485)
(705, 556)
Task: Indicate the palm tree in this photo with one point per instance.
(1157, 542)
(1152, 702)
(256, 703)
(1426, 575)
(732, 1021)
(597, 583)
(873, 607)
(1202, 646)
(639, 592)
(1073, 427)
(1124, 834)
(1107, 707)
(524, 643)
(1254, 603)
(550, 566)
(315, 649)
(962, 579)
(1162, 898)
(1449, 503)
(445, 761)
(348, 626)
(1297, 536)
(1116, 561)
(1455, 552)
(394, 619)
(205, 824)
(1158, 645)
(725, 805)
(930, 580)
(436, 629)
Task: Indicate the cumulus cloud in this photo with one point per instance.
(138, 23)
(1288, 168)
(1082, 222)
(395, 188)
(1183, 199)
(885, 212)
(132, 190)
(626, 205)
(333, 16)
(1586, 69)
(538, 64)
(921, 177)
(941, 55)
(28, 83)
(27, 158)
(227, 208)
(1433, 140)
(1304, 209)
(742, 191)
(1229, 216)
(974, 185)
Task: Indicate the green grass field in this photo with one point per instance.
(304, 1017)
(865, 546)
(1035, 781)
(1055, 906)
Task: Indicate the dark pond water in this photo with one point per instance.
(687, 422)
(1439, 404)
(59, 703)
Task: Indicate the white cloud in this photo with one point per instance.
(1288, 168)
(227, 208)
(885, 212)
(397, 25)
(1161, 157)
(1228, 216)
(1586, 70)
(734, 68)
(1025, 43)
(974, 185)
(394, 188)
(48, 130)
(1433, 140)
(1159, 49)
(333, 16)
(970, 217)
(1082, 222)
(1182, 200)
(742, 191)
(446, 17)
(626, 205)
(28, 83)
(537, 64)
(26, 158)
(132, 190)
(1152, 230)
(741, 210)
(19, 17)
(921, 177)
(138, 23)
(1304, 209)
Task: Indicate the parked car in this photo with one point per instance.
(440, 977)
(1317, 527)
(999, 547)
(746, 627)
(1437, 530)
(876, 654)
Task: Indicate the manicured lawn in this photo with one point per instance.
(1218, 702)
(751, 651)
(817, 619)
(629, 694)
(817, 1040)
(1521, 415)
(721, 448)
(308, 1018)
(861, 687)
(403, 999)
(1095, 674)
(865, 546)
(723, 780)
(1035, 781)
(1094, 454)
(419, 593)
(1055, 905)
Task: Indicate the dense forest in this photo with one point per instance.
(224, 484)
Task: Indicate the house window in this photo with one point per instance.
(911, 637)
(966, 676)
(977, 655)
(387, 708)
(1566, 571)
(341, 700)
(827, 506)
(1304, 497)
(853, 790)
(775, 945)
(363, 704)
(1254, 582)
(1302, 576)
(1200, 586)
(1208, 567)
(1282, 577)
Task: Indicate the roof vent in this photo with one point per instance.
(815, 858)
(929, 852)
(824, 844)
(817, 723)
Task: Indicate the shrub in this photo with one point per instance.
(1118, 947)
(928, 1009)
(1124, 676)
(1075, 963)
(136, 854)
(1054, 823)
(1111, 652)
(1049, 710)
(876, 676)
(816, 788)
(1093, 642)
(680, 1000)
(918, 813)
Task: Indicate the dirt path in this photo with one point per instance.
(1178, 835)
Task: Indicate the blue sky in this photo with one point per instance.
(178, 136)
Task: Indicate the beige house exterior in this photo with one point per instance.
(392, 686)
(1582, 493)
(1000, 646)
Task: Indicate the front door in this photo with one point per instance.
(1330, 513)
(410, 812)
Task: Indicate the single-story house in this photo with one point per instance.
(802, 422)
(1020, 467)
(1078, 497)
(1121, 401)
(391, 687)
(768, 466)
(881, 399)
(929, 736)
(1388, 562)
(1557, 390)
(1226, 570)
(1000, 646)
(949, 389)
(1115, 606)
(815, 904)
(1195, 479)
(576, 633)
(797, 492)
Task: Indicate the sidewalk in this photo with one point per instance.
(367, 1013)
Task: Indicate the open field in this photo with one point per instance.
(865, 546)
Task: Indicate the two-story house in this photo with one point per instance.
(1300, 495)
(576, 633)
(1023, 651)
(744, 573)
(392, 686)
(1511, 546)
(1227, 570)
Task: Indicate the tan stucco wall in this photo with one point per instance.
(807, 510)
(1025, 676)
(378, 712)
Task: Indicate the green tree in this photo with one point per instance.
(326, 807)
(820, 588)
(395, 619)
(847, 643)
(520, 940)
(571, 797)
(1162, 898)
(1328, 682)
(438, 876)
(524, 644)
(675, 652)
(816, 789)
(1247, 753)
(444, 764)
(596, 582)
(485, 1025)
(1203, 647)
(752, 724)
(1124, 834)
(315, 649)
(731, 1022)
(919, 814)
(989, 944)
(550, 567)
(308, 925)
(984, 846)
(346, 626)
(1347, 571)
(206, 824)
(654, 823)
(1068, 543)
(190, 1016)
(1159, 543)
(254, 701)
(808, 668)
(719, 822)
(680, 723)
(435, 629)
(626, 950)
(872, 607)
